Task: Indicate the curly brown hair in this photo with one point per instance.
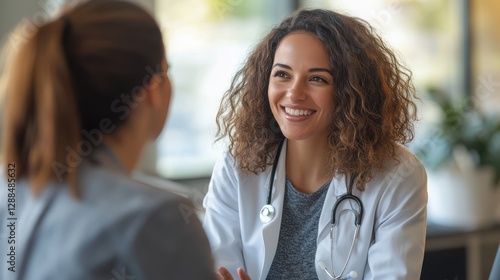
(373, 106)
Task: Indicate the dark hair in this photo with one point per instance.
(373, 107)
(65, 78)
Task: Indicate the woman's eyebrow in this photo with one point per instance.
(282, 65)
(310, 70)
(321, 70)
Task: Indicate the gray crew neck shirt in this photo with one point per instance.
(296, 251)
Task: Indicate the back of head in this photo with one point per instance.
(69, 78)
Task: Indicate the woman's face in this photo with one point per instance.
(301, 87)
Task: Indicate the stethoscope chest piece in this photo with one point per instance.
(267, 213)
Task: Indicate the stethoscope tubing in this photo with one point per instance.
(273, 173)
(347, 196)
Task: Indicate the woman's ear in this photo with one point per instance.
(157, 93)
(153, 93)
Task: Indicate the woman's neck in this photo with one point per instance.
(128, 155)
(307, 164)
(127, 144)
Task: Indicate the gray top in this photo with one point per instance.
(118, 229)
(294, 258)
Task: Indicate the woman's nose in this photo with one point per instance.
(297, 91)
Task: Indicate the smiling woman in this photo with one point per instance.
(316, 120)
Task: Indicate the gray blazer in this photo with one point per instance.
(119, 229)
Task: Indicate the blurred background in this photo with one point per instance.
(452, 48)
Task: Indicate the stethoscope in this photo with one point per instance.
(268, 212)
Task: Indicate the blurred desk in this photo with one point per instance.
(454, 254)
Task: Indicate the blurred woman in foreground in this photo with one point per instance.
(85, 93)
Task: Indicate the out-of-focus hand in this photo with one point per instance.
(224, 274)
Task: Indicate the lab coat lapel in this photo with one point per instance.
(335, 190)
(270, 231)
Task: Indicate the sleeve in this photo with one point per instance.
(398, 246)
(222, 220)
(171, 245)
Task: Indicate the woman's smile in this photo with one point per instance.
(296, 113)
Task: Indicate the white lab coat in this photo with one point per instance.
(391, 239)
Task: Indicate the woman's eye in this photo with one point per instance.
(280, 74)
(318, 79)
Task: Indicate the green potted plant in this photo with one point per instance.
(461, 151)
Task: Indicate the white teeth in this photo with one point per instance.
(295, 112)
